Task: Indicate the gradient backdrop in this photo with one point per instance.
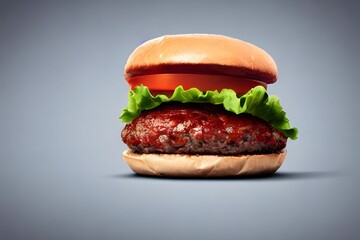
(62, 89)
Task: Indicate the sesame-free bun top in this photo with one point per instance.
(201, 54)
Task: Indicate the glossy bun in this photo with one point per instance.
(203, 54)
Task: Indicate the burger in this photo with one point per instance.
(198, 107)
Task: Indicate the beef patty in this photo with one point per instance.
(191, 128)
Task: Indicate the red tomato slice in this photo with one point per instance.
(167, 82)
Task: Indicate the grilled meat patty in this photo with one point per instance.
(191, 128)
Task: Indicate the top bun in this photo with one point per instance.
(203, 54)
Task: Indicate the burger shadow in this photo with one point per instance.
(279, 176)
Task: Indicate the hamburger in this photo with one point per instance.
(198, 107)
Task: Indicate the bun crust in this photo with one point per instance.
(201, 53)
(182, 165)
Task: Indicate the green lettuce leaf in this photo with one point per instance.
(255, 102)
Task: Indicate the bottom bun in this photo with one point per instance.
(184, 165)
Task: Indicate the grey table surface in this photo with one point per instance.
(62, 89)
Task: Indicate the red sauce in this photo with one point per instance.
(175, 125)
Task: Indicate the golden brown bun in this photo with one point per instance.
(182, 165)
(201, 53)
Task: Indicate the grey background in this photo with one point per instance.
(62, 90)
